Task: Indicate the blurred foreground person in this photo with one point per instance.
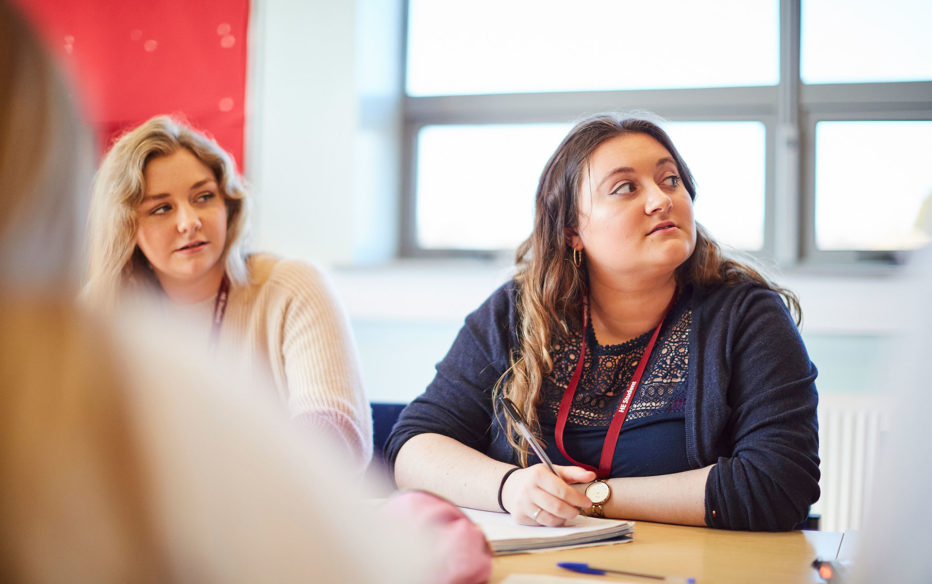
(121, 460)
(894, 544)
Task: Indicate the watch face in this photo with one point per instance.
(598, 492)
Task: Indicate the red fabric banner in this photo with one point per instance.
(132, 59)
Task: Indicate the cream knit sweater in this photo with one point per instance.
(288, 322)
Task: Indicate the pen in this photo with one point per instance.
(584, 568)
(518, 420)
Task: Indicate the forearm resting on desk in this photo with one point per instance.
(441, 465)
(533, 495)
(674, 498)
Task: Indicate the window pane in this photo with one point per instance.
(476, 183)
(861, 41)
(873, 187)
(502, 46)
(727, 160)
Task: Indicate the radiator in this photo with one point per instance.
(850, 432)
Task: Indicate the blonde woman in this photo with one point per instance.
(168, 217)
(667, 382)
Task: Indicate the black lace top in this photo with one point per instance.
(607, 369)
(652, 439)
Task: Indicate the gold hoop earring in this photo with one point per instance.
(577, 257)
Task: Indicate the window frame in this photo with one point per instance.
(789, 112)
(853, 102)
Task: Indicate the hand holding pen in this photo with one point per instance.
(541, 494)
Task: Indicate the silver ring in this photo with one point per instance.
(536, 513)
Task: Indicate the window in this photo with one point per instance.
(766, 108)
(863, 41)
(873, 185)
(727, 161)
(523, 46)
(477, 182)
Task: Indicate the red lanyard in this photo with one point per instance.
(220, 309)
(614, 429)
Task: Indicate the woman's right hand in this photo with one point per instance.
(536, 496)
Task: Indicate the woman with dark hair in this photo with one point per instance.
(667, 381)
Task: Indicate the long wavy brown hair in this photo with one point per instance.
(550, 286)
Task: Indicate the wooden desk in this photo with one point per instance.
(712, 556)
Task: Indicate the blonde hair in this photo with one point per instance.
(551, 286)
(115, 262)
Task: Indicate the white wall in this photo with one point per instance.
(323, 159)
(323, 121)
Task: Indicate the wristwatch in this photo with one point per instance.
(599, 493)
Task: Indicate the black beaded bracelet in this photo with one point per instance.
(501, 487)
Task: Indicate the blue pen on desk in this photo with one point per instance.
(518, 420)
(584, 568)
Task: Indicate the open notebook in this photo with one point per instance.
(507, 536)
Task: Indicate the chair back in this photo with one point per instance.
(384, 416)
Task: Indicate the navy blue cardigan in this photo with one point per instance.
(751, 402)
